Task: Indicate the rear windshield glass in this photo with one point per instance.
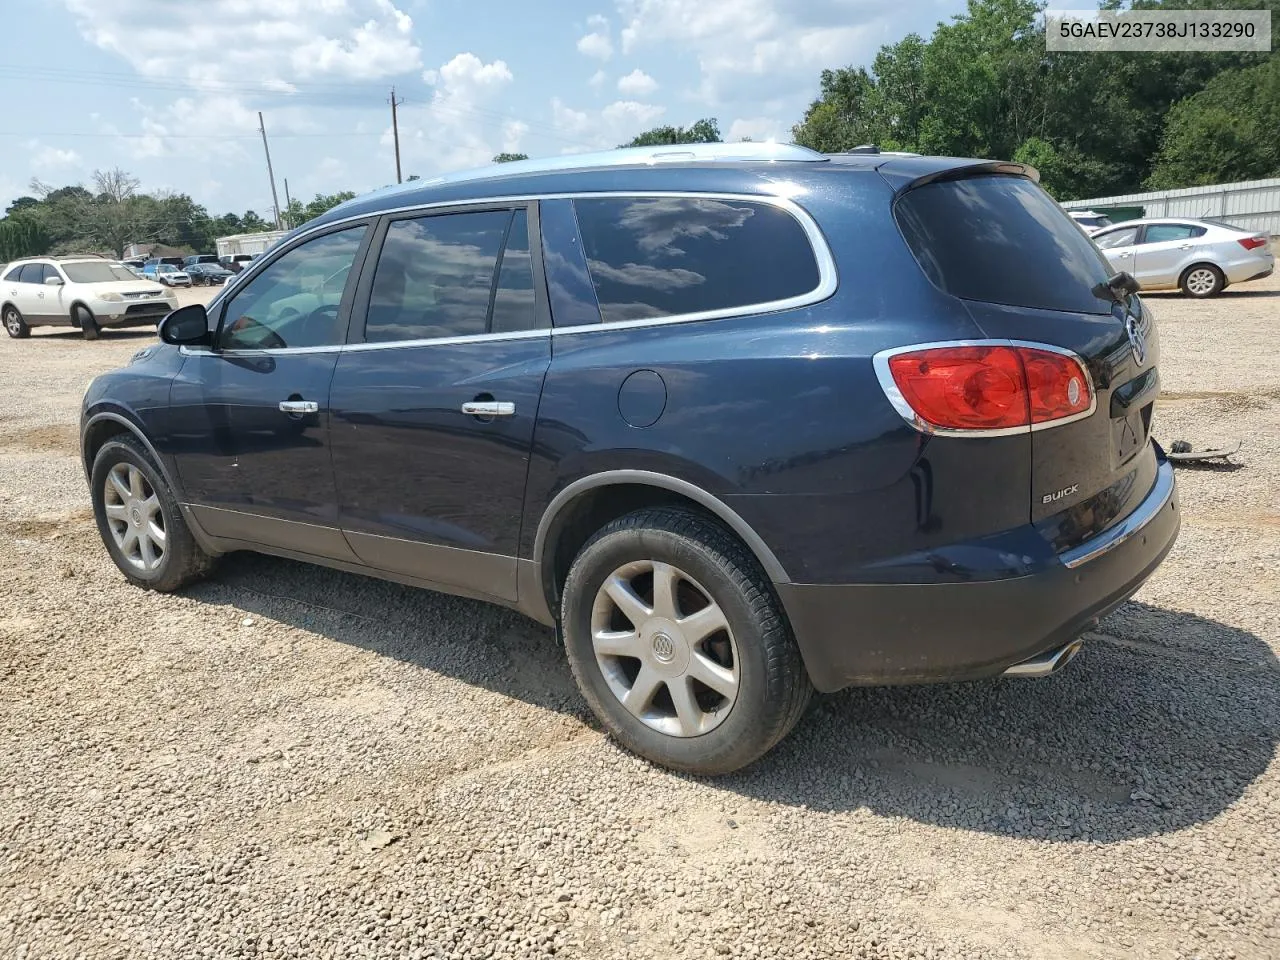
(1001, 239)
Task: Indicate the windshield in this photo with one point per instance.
(167, 268)
(1001, 239)
(96, 272)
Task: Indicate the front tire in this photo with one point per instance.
(88, 326)
(1202, 280)
(140, 521)
(679, 644)
(14, 325)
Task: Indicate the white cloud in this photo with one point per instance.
(637, 83)
(597, 45)
(455, 129)
(597, 80)
(757, 128)
(616, 123)
(44, 156)
(272, 43)
(758, 48)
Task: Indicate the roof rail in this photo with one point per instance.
(631, 156)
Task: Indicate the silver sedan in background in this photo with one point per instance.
(1199, 257)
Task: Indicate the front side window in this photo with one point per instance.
(294, 301)
(452, 275)
(1117, 238)
(1165, 232)
(50, 271)
(665, 256)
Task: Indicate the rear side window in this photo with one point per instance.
(452, 275)
(667, 256)
(32, 273)
(1001, 239)
(12, 275)
(1117, 238)
(1164, 232)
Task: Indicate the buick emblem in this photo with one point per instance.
(664, 648)
(1134, 326)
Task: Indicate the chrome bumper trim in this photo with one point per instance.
(1160, 495)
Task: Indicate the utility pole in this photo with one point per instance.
(288, 204)
(395, 130)
(275, 202)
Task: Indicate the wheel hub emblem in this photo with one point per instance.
(136, 515)
(664, 648)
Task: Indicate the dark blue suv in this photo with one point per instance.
(741, 420)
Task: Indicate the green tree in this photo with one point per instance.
(704, 131)
(505, 157)
(1228, 131)
(21, 237)
(325, 202)
(841, 117)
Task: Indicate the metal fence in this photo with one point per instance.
(1251, 204)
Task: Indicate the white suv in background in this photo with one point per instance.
(84, 292)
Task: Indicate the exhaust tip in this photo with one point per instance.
(1051, 661)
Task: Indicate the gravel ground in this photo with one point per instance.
(287, 761)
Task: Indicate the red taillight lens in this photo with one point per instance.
(992, 387)
(1252, 243)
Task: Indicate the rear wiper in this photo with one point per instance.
(1117, 287)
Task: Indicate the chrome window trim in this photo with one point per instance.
(881, 364)
(364, 347)
(828, 277)
(1161, 493)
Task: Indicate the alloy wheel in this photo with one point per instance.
(665, 648)
(12, 322)
(134, 517)
(1201, 281)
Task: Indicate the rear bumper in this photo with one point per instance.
(917, 633)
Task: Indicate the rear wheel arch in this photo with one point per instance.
(588, 504)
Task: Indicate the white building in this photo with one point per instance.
(1250, 204)
(249, 243)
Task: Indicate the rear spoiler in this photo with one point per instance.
(906, 173)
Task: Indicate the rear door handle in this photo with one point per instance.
(299, 406)
(489, 408)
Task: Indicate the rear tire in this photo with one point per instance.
(1202, 280)
(14, 325)
(718, 620)
(140, 521)
(88, 326)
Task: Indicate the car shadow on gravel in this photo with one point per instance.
(1162, 722)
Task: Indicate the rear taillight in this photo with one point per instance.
(984, 387)
(1252, 243)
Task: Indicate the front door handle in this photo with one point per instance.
(296, 407)
(1186, 246)
(489, 408)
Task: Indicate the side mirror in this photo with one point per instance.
(53, 281)
(187, 326)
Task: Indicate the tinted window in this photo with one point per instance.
(1164, 232)
(1117, 238)
(513, 297)
(435, 276)
(32, 273)
(663, 256)
(1002, 240)
(12, 275)
(50, 271)
(294, 301)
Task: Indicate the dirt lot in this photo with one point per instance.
(291, 762)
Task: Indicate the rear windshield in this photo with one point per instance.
(1001, 239)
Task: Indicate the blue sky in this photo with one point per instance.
(169, 89)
